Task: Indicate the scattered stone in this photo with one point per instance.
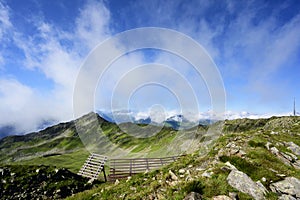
(289, 158)
(193, 196)
(262, 187)
(181, 171)
(207, 174)
(233, 195)
(230, 166)
(293, 147)
(281, 156)
(117, 182)
(173, 176)
(286, 197)
(274, 150)
(296, 164)
(241, 153)
(234, 151)
(294, 157)
(274, 133)
(91, 181)
(221, 197)
(281, 175)
(289, 186)
(244, 183)
(190, 166)
(95, 194)
(268, 145)
(200, 169)
(263, 179)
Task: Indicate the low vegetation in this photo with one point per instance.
(246, 144)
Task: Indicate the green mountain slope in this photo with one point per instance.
(60, 145)
(264, 150)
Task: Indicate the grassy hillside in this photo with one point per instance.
(60, 145)
(207, 174)
(245, 143)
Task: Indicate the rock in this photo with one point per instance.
(281, 156)
(233, 195)
(274, 150)
(296, 164)
(91, 181)
(289, 186)
(244, 183)
(207, 174)
(133, 188)
(230, 166)
(263, 179)
(274, 133)
(241, 153)
(262, 187)
(234, 151)
(286, 197)
(190, 166)
(221, 197)
(289, 158)
(193, 196)
(294, 157)
(181, 171)
(200, 169)
(293, 147)
(173, 176)
(117, 182)
(268, 145)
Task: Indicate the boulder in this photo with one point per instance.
(288, 186)
(193, 196)
(293, 147)
(244, 183)
(173, 176)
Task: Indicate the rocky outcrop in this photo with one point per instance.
(39, 182)
(293, 147)
(287, 158)
(289, 188)
(245, 184)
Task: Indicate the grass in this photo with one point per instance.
(72, 161)
(250, 135)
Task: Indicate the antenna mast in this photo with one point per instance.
(294, 107)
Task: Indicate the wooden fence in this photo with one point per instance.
(93, 166)
(123, 168)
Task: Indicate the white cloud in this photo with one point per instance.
(21, 106)
(4, 19)
(44, 51)
(249, 51)
(5, 27)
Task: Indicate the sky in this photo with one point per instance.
(255, 46)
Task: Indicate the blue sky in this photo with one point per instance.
(254, 44)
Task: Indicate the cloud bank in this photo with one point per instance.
(255, 45)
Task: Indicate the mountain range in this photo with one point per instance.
(262, 154)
